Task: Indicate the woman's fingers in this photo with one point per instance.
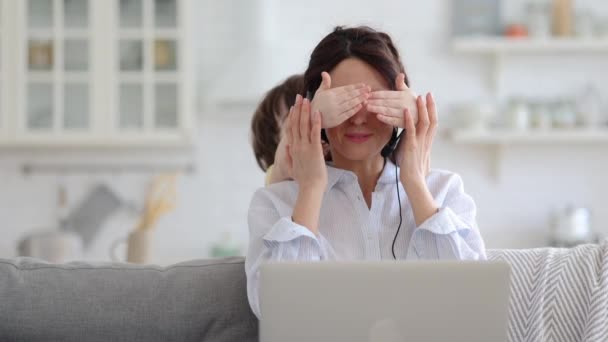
(295, 119)
(289, 160)
(432, 111)
(288, 126)
(302, 127)
(410, 128)
(423, 117)
(305, 121)
(315, 134)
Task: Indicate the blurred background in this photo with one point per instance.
(124, 124)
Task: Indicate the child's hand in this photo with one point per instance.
(338, 104)
(390, 104)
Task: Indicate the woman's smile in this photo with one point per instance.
(358, 138)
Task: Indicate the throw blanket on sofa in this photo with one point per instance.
(558, 294)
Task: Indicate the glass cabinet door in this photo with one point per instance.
(40, 48)
(166, 105)
(76, 65)
(131, 61)
(40, 106)
(147, 65)
(131, 108)
(165, 49)
(58, 71)
(165, 13)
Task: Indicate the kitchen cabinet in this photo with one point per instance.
(96, 73)
(3, 109)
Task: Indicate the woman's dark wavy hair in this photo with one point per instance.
(364, 43)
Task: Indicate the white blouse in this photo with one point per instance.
(349, 230)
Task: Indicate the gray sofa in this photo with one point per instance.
(202, 300)
(556, 294)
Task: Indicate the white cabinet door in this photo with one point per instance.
(97, 72)
(149, 82)
(55, 71)
(8, 115)
(3, 111)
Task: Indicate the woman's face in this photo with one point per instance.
(363, 136)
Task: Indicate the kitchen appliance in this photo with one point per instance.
(476, 17)
(88, 218)
(571, 227)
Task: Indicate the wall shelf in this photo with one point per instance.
(501, 45)
(119, 140)
(498, 48)
(504, 137)
(498, 140)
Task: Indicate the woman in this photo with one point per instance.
(361, 206)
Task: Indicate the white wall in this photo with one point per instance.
(513, 209)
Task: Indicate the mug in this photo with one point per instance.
(52, 246)
(138, 247)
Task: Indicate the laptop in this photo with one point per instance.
(384, 301)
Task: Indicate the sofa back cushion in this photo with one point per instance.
(556, 294)
(200, 300)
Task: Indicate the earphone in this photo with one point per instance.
(387, 151)
(391, 145)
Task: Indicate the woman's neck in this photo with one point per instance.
(367, 171)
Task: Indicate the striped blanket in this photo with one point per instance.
(558, 294)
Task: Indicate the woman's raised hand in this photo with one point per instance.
(305, 152)
(414, 154)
